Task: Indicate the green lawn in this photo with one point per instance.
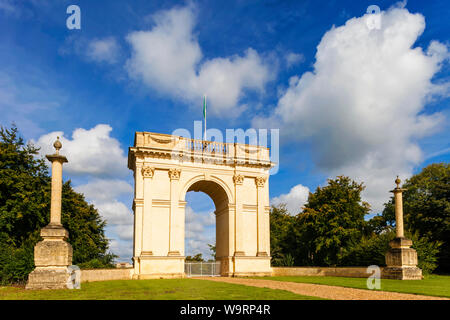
(160, 289)
(432, 285)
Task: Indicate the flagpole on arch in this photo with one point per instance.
(204, 115)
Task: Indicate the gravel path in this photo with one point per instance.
(324, 291)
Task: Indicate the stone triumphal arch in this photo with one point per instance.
(234, 175)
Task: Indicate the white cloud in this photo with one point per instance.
(122, 249)
(103, 195)
(93, 152)
(293, 58)
(362, 105)
(101, 189)
(103, 50)
(198, 234)
(99, 50)
(168, 58)
(294, 200)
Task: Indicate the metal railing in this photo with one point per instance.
(202, 269)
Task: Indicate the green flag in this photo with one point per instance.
(204, 107)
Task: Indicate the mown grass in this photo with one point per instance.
(159, 289)
(431, 285)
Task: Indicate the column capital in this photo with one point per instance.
(238, 179)
(147, 172)
(398, 190)
(56, 157)
(174, 173)
(260, 181)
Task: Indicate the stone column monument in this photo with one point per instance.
(53, 255)
(401, 260)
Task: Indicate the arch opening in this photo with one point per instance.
(200, 226)
(221, 203)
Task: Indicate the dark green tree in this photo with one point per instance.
(426, 207)
(280, 223)
(197, 258)
(331, 222)
(25, 188)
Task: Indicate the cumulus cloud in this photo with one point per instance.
(363, 105)
(103, 194)
(93, 152)
(294, 199)
(168, 58)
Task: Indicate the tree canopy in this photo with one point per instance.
(25, 187)
(332, 220)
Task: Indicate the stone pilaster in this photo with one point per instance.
(260, 183)
(147, 236)
(174, 175)
(238, 180)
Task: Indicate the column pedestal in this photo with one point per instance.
(401, 261)
(52, 257)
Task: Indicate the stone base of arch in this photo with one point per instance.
(154, 267)
(173, 267)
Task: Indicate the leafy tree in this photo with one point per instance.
(369, 250)
(212, 248)
(426, 203)
(25, 187)
(280, 222)
(331, 222)
(427, 252)
(197, 258)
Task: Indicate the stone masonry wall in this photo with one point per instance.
(354, 272)
(90, 275)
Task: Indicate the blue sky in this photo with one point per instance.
(347, 99)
